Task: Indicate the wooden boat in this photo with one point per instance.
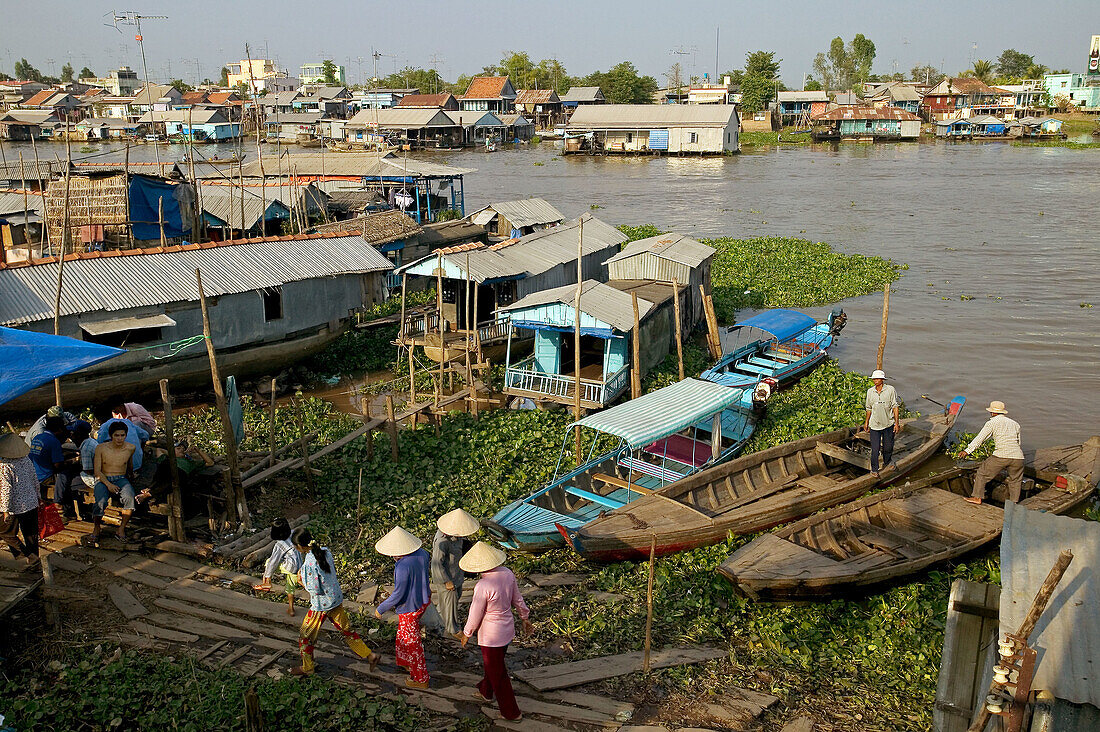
(778, 344)
(659, 439)
(903, 530)
(756, 492)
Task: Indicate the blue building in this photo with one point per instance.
(204, 124)
(987, 126)
(1079, 90)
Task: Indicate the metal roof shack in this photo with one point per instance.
(379, 228)
(515, 218)
(400, 118)
(843, 113)
(583, 95)
(488, 87)
(446, 100)
(610, 306)
(537, 96)
(649, 116)
(653, 128)
(222, 205)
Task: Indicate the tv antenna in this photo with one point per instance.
(133, 18)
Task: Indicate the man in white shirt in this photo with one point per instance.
(883, 420)
(1006, 453)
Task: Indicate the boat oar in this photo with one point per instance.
(925, 396)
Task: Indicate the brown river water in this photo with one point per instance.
(1013, 228)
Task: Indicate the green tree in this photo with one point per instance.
(861, 51)
(428, 81)
(328, 72)
(5, 77)
(982, 70)
(223, 80)
(181, 85)
(25, 72)
(812, 84)
(67, 73)
(926, 74)
(86, 73)
(622, 84)
(845, 67)
(1035, 71)
(1013, 64)
(760, 80)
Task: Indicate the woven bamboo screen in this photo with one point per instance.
(91, 201)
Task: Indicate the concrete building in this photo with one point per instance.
(1080, 90)
(314, 73)
(121, 82)
(656, 128)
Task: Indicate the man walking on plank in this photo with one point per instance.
(883, 420)
(1006, 453)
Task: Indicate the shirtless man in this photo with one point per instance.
(113, 463)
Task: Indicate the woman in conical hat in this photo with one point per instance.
(18, 498)
(495, 594)
(410, 598)
(449, 545)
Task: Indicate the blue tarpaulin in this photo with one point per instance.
(145, 197)
(780, 324)
(29, 360)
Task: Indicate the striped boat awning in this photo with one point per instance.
(663, 412)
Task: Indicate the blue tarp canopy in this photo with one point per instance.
(145, 197)
(29, 360)
(663, 412)
(780, 324)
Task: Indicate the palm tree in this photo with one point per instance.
(1036, 71)
(982, 70)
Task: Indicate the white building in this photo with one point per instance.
(314, 73)
(660, 128)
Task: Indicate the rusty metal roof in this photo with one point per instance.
(674, 247)
(522, 212)
(892, 113)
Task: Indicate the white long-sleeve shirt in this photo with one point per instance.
(1006, 437)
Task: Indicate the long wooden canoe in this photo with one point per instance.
(903, 530)
(756, 492)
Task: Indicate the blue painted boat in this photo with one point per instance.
(776, 344)
(634, 449)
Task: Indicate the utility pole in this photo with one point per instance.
(130, 17)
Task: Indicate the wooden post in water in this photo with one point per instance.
(439, 310)
(160, 220)
(391, 427)
(577, 341)
(636, 349)
(175, 500)
(885, 317)
(65, 238)
(365, 410)
(679, 334)
(271, 427)
(649, 604)
(236, 503)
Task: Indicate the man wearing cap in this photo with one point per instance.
(411, 596)
(447, 576)
(1006, 453)
(883, 420)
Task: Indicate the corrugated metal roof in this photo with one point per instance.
(378, 228)
(359, 165)
(537, 96)
(424, 101)
(892, 113)
(513, 120)
(642, 116)
(663, 412)
(523, 212)
(45, 170)
(583, 94)
(30, 116)
(224, 203)
(12, 202)
(154, 277)
(400, 118)
(292, 118)
(674, 247)
(529, 255)
(474, 119)
(1067, 636)
(196, 116)
(601, 301)
(803, 96)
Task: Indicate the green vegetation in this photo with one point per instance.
(845, 67)
(622, 84)
(1069, 144)
(96, 691)
(1075, 125)
(756, 139)
(760, 80)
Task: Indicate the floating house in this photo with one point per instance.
(20, 224)
(867, 124)
(898, 94)
(579, 96)
(985, 125)
(797, 104)
(489, 94)
(27, 124)
(949, 128)
(653, 128)
(205, 125)
(227, 209)
(109, 128)
(512, 219)
(517, 127)
(395, 234)
(269, 306)
(542, 106)
(416, 127)
(1036, 128)
(668, 258)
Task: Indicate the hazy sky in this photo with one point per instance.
(585, 36)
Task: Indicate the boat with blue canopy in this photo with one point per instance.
(634, 449)
(775, 344)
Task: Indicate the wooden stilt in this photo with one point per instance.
(679, 334)
(175, 500)
(635, 348)
(649, 604)
(236, 503)
(391, 427)
(885, 317)
(160, 220)
(577, 341)
(271, 426)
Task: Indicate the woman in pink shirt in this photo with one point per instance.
(495, 594)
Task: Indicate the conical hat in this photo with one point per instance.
(458, 523)
(397, 543)
(13, 447)
(481, 558)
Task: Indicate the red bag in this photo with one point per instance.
(49, 520)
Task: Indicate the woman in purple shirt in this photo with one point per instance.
(495, 594)
(410, 598)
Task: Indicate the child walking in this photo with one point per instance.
(284, 557)
(318, 575)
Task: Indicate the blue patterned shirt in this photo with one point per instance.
(323, 587)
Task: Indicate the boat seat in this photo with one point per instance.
(835, 451)
(665, 475)
(768, 363)
(752, 368)
(620, 483)
(594, 497)
(682, 449)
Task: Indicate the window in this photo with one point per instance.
(629, 137)
(273, 304)
(124, 338)
(693, 137)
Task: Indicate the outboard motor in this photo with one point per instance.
(837, 320)
(761, 394)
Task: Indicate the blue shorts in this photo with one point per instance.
(125, 495)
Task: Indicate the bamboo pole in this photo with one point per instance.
(577, 342)
(160, 220)
(304, 447)
(471, 327)
(679, 334)
(885, 317)
(26, 205)
(365, 410)
(649, 604)
(236, 503)
(635, 347)
(271, 426)
(477, 333)
(196, 233)
(42, 235)
(391, 427)
(240, 175)
(439, 308)
(65, 238)
(175, 500)
(126, 186)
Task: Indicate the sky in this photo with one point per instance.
(462, 37)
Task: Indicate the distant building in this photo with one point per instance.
(1027, 97)
(445, 101)
(660, 128)
(964, 97)
(122, 82)
(582, 95)
(384, 98)
(795, 104)
(867, 123)
(261, 73)
(1082, 90)
(897, 94)
(314, 73)
(541, 106)
(724, 93)
(489, 94)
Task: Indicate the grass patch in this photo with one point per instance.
(1074, 125)
(754, 139)
(1070, 144)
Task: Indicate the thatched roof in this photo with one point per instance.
(378, 228)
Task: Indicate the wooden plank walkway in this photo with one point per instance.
(565, 675)
(970, 636)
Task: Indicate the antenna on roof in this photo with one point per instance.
(131, 17)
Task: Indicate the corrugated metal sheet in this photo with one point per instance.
(116, 283)
(522, 212)
(672, 247)
(663, 412)
(599, 300)
(224, 204)
(644, 116)
(891, 113)
(1067, 636)
(401, 118)
(362, 165)
(474, 119)
(583, 94)
(530, 255)
(13, 203)
(45, 170)
(658, 140)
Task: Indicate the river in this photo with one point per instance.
(1010, 229)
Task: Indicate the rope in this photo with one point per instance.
(175, 347)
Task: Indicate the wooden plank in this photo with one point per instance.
(248, 626)
(133, 575)
(154, 567)
(560, 579)
(67, 564)
(124, 600)
(136, 641)
(194, 625)
(835, 451)
(565, 675)
(612, 707)
(177, 560)
(534, 706)
(235, 602)
(267, 661)
(236, 655)
(800, 724)
(966, 639)
(211, 650)
(154, 631)
(525, 724)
